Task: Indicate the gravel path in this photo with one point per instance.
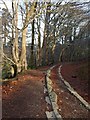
(26, 99)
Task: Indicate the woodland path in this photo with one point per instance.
(25, 98)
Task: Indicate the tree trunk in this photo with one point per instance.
(46, 36)
(1, 50)
(23, 61)
(39, 44)
(32, 63)
(15, 52)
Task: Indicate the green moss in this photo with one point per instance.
(6, 70)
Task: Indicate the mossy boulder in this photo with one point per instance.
(7, 71)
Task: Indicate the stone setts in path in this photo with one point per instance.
(51, 99)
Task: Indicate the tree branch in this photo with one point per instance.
(5, 56)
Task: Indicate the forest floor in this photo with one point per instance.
(77, 74)
(24, 97)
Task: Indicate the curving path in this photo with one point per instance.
(37, 96)
(68, 104)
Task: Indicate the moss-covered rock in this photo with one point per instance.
(7, 71)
